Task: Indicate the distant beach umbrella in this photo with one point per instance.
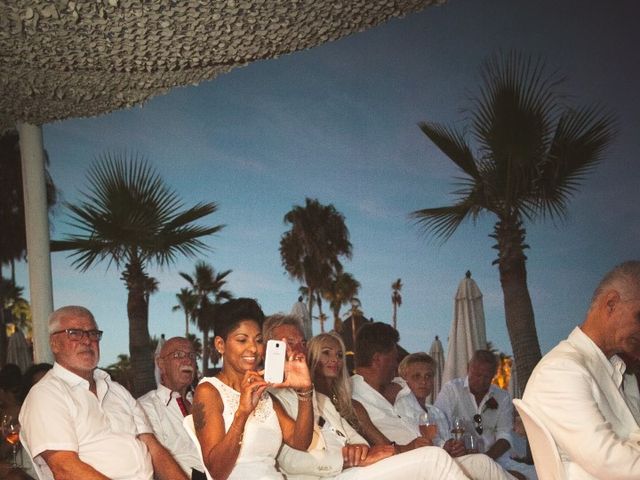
(18, 351)
(301, 312)
(437, 353)
(467, 332)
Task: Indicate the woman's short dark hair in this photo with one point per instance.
(371, 338)
(230, 314)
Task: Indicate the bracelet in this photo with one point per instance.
(306, 393)
(304, 399)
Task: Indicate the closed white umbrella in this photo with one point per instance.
(18, 351)
(437, 353)
(468, 332)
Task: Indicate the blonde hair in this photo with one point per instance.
(341, 388)
(419, 357)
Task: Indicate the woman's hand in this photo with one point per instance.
(354, 455)
(252, 388)
(296, 373)
(377, 453)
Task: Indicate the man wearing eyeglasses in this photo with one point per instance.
(78, 423)
(167, 405)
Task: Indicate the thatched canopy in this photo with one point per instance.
(62, 58)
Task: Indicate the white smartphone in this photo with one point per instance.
(274, 361)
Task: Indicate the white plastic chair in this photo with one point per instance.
(187, 423)
(544, 450)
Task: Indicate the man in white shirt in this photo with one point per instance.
(376, 359)
(337, 450)
(577, 390)
(78, 423)
(167, 405)
(486, 410)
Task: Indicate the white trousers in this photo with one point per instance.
(481, 467)
(425, 463)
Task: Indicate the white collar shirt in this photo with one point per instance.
(409, 408)
(382, 413)
(61, 413)
(456, 400)
(164, 413)
(576, 393)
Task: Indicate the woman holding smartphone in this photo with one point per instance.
(238, 424)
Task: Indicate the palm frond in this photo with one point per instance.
(442, 222)
(453, 145)
(129, 210)
(577, 148)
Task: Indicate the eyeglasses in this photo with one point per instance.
(477, 419)
(77, 334)
(179, 354)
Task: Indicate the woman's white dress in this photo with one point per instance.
(261, 439)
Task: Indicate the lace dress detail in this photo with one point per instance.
(261, 439)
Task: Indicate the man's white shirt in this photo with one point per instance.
(61, 413)
(166, 417)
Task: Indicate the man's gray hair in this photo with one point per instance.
(278, 320)
(55, 318)
(625, 278)
(485, 356)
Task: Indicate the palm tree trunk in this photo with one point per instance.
(337, 321)
(321, 317)
(186, 325)
(395, 312)
(205, 351)
(308, 331)
(139, 339)
(518, 308)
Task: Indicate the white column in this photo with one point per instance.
(37, 223)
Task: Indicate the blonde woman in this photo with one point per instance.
(329, 375)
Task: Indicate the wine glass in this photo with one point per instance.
(458, 428)
(11, 434)
(428, 429)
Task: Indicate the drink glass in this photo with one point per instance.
(470, 443)
(11, 434)
(458, 429)
(428, 429)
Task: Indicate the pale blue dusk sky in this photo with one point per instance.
(338, 123)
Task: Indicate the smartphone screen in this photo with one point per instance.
(274, 361)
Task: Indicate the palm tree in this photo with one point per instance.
(131, 218)
(533, 153)
(396, 300)
(207, 286)
(15, 309)
(196, 342)
(13, 241)
(188, 303)
(341, 289)
(311, 249)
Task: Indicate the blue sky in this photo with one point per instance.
(339, 123)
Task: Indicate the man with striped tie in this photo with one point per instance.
(167, 405)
